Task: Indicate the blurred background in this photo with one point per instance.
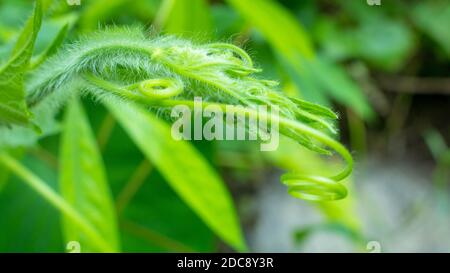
(383, 68)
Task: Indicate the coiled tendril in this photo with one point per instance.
(163, 72)
(160, 88)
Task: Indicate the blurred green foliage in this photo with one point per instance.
(308, 45)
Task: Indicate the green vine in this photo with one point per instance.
(161, 72)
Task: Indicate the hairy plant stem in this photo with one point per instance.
(311, 187)
(296, 182)
(164, 72)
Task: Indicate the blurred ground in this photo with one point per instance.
(396, 202)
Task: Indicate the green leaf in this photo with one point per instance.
(185, 17)
(4, 175)
(159, 209)
(278, 26)
(435, 143)
(97, 11)
(46, 192)
(338, 84)
(83, 181)
(315, 109)
(13, 109)
(107, 11)
(28, 222)
(52, 48)
(433, 18)
(144, 198)
(383, 42)
(187, 172)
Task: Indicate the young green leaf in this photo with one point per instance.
(181, 17)
(54, 199)
(13, 109)
(83, 181)
(185, 170)
(315, 109)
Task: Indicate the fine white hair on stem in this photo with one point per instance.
(124, 63)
